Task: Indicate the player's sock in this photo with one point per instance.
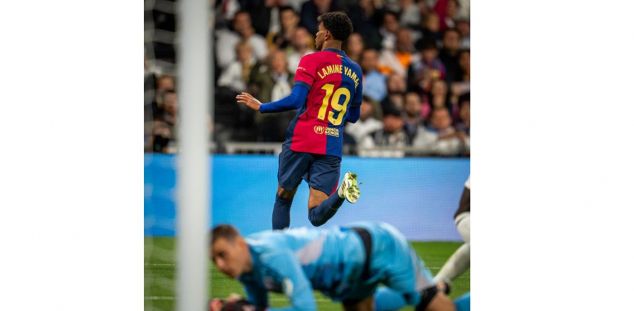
(457, 264)
(281, 213)
(321, 213)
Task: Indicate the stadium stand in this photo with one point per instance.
(409, 50)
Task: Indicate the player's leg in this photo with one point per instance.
(456, 265)
(460, 260)
(439, 302)
(325, 199)
(406, 274)
(282, 207)
(387, 299)
(422, 292)
(318, 214)
(292, 166)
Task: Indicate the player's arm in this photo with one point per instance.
(304, 78)
(295, 285)
(257, 296)
(293, 101)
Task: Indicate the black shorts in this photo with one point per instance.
(320, 171)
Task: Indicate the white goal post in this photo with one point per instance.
(193, 176)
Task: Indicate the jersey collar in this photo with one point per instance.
(338, 51)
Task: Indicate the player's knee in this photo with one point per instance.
(315, 198)
(463, 224)
(285, 194)
(314, 218)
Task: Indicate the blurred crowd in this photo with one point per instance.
(415, 57)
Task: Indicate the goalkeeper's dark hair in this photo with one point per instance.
(228, 232)
(338, 23)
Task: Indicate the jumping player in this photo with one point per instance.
(326, 94)
(346, 264)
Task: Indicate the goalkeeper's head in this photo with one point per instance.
(229, 251)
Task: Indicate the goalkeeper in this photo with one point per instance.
(346, 264)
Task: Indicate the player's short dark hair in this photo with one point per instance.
(396, 14)
(452, 29)
(228, 232)
(338, 23)
(464, 98)
(286, 8)
(428, 44)
(391, 110)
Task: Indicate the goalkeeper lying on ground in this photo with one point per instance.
(346, 264)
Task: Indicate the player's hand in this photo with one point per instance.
(216, 304)
(234, 302)
(249, 101)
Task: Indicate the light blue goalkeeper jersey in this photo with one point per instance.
(296, 261)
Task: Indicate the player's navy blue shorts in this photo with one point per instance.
(321, 172)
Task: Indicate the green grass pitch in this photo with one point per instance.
(160, 254)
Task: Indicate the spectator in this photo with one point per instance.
(413, 115)
(464, 115)
(464, 61)
(264, 15)
(354, 47)
(365, 18)
(396, 88)
(224, 11)
(439, 97)
(397, 60)
(447, 11)
(150, 84)
(243, 31)
(426, 69)
(389, 28)
(462, 85)
(463, 27)
(430, 30)
(149, 106)
(289, 22)
(302, 43)
(311, 9)
(164, 125)
(391, 137)
(164, 129)
(270, 82)
(374, 82)
(164, 83)
(464, 7)
(410, 13)
(449, 54)
(440, 138)
(463, 126)
(367, 123)
(236, 76)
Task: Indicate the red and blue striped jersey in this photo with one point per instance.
(335, 86)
